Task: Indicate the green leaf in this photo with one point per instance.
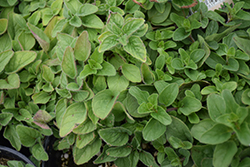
(147, 159)
(41, 118)
(84, 154)
(116, 136)
(153, 130)
(41, 97)
(103, 103)
(132, 25)
(224, 153)
(10, 133)
(48, 75)
(39, 153)
(156, 17)
(131, 72)
(76, 113)
(214, 16)
(201, 152)
(216, 106)
(117, 83)
(92, 21)
(179, 129)
(177, 143)
(5, 42)
(189, 105)
(28, 135)
(75, 21)
(168, 95)
(60, 110)
(107, 69)
(162, 116)
(5, 118)
(87, 9)
(141, 96)
(83, 47)
(108, 43)
(86, 127)
(180, 34)
(26, 41)
(84, 139)
(148, 76)
(243, 134)
(40, 36)
(56, 6)
(19, 60)
(242, 44)
(209, 132)
(3, 25)
(122, 151)
(68, 63)
(136, 48)
(11, 82)
(245, 98)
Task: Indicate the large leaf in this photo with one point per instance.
(224, 153)
(3, 25)
(122, 151)
(84, 154)
(83, 47)
(10, 133)
(12, 82)
(117, 83)
(189, 105)
(92, 21)
(19, 60)
(108, 43)
(168, 95)
(103, 103)
(75, 114)
(132, 25)
(28, 135)
(216, 106)
(131, 72)
(26, 41)
(242, 44)
(68, 63)
(153, 130)
(116, 136)
(162, 116)
(40, 36)
(136, 48)
(39, 153)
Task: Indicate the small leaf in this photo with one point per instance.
(40, 36)
(136, 48)
(26, 41)
(224, 153)
(83, 47)
(147, 159)
(148, 76)
(216, 106)
(75, 21)
(76, 113)
(153, 130)
(180, 34)
(87, 9)
(107, 69)
(68, 63)
(131, 72)
(19, 60)
(86, 127)
(243, 134)
(103, 103)
(116, 136)
(12, 82)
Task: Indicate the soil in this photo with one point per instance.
(3, 161)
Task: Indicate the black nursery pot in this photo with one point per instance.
(11, 154)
